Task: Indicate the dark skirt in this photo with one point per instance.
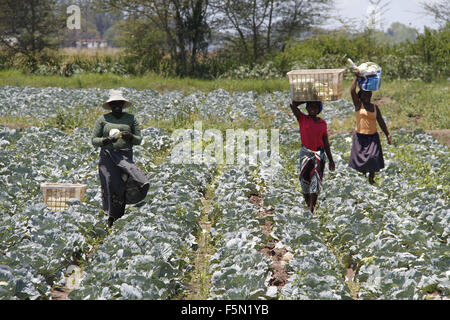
(122, 182)
(366, 154)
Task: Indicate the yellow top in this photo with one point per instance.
(366, 122)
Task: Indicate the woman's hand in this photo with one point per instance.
(108, 140)
(127, 135)
(357, 73)
(296, 103)
(389, 139)
(331, 165)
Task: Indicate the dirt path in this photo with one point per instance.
(280, 256)
(443, 136)
(19, 127)
(60, 293)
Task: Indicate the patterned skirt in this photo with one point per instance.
(366, 155)
(312, 165)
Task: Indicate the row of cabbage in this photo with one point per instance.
(239, 270)
(394, 234)
(315, 272)
(150, 250)
(38, 155)
(37, 245)
(149, 105)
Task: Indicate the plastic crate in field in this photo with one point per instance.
(316, 84)
(56, 195)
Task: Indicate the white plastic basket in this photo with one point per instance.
(316, 84)
(56, 195)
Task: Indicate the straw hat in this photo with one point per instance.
(116, 95)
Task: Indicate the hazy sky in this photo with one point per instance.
(408, 12)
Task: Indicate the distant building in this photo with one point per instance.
(10, 41)
(91, 43)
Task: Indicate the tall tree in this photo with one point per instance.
(399, 32)
(245, 21)
(373, 22)
(297, 16)
(29, 26)
(183, 23)
(440, 9)
(257, 26)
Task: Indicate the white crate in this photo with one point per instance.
(316, 84)
(56, 195)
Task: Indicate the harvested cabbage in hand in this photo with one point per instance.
(115, 133)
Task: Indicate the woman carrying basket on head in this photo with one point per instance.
(367, 155)
(314, 139)
(122, 182)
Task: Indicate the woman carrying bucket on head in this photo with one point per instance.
(367, 155)
(122, 182)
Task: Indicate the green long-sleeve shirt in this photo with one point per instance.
(106, 122)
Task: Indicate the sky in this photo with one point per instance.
(408, 12)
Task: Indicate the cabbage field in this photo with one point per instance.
(384, 241)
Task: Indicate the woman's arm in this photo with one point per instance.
(326, 144)
(135, 135)
(355, 98)
(97, 134)
(382, 125)
(294, 107)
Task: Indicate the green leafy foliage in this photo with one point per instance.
(394, 234)
(424, 59)
(239, 270)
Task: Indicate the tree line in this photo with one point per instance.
(187, 37)
(184, 29)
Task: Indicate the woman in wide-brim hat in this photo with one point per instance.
(122, 182)
(116, 95)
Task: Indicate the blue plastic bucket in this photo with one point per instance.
(370, 83)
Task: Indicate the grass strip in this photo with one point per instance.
(200, 278)
(153, 82)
